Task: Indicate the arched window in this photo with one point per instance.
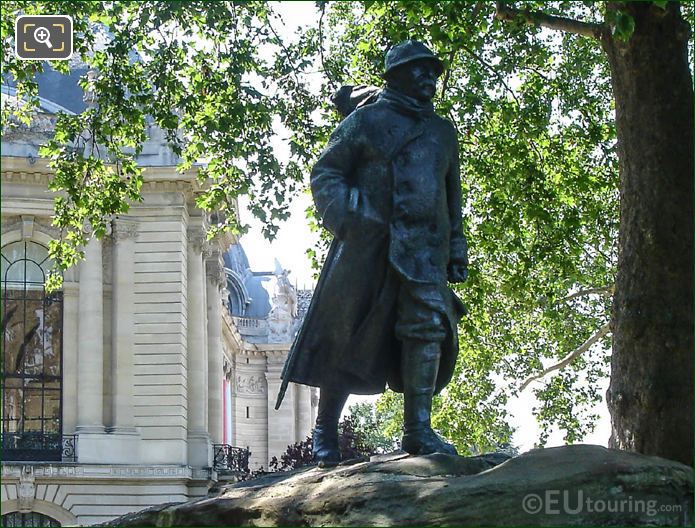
(32, 356)
(28, 519)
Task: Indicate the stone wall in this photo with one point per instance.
(160, 330)
(144, 335)
(84, 495)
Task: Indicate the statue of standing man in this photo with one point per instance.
(387, 187)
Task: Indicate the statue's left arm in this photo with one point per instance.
(334, 195)
(458, 249)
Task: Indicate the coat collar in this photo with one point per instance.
(407, 105)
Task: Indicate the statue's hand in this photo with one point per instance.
(457, 272)
(362, 215)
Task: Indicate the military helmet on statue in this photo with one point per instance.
(409, 51)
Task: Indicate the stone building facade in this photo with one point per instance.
(263, 314)
(120, 391)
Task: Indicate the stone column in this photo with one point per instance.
(91, 445)
(304, 415)
(90, 363)
(233, 409)
(282, 430)
(214, 285)
(125, 437)
(199, 446)
(314, 393)
(69, 352)
(229, 402)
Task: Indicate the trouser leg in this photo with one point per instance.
(421, 328)
(325, 444)
(419, 365)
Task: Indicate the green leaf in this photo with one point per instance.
(624, 26)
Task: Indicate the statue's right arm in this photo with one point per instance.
(331, 186)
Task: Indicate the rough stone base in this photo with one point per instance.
(571, 485)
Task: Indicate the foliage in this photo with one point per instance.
(295, 456)
(215, 76)
(353, 442)
(533, 110)
(373, 428)
(539, 170)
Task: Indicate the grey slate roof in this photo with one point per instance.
(60, 89)
(249, 291)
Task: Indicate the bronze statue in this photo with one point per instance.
(387, 187)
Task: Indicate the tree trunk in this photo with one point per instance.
(651, 389)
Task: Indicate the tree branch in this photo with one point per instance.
(604, 290)
(537, 18)
(506, 86)
(569, 357)
(447, 75)
(281, 43)
(326, 71)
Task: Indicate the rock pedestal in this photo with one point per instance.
(571, 485)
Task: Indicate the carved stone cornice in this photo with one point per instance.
(36, 178)
(277, 356)
(249, 350)
(167, 186)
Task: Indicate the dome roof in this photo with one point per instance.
(250, 292)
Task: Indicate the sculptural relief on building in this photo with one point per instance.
(250, 384)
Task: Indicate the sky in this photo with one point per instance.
(294, 238)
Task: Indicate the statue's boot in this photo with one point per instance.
(325, 446)
(419, 365)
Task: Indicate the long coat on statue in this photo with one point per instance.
(387, 187)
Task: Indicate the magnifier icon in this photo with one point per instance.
(42, 36)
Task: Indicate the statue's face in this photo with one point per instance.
(417, 79)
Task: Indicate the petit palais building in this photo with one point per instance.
(148, 375)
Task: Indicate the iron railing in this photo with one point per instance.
(230, 458)
(39, 447)
(69, 448)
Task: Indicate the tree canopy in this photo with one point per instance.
(535, 117)
(539, 171)
(215, 76)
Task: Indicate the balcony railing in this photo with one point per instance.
(228, 458)
(251, 326)
(69, 448)
(39, 447)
